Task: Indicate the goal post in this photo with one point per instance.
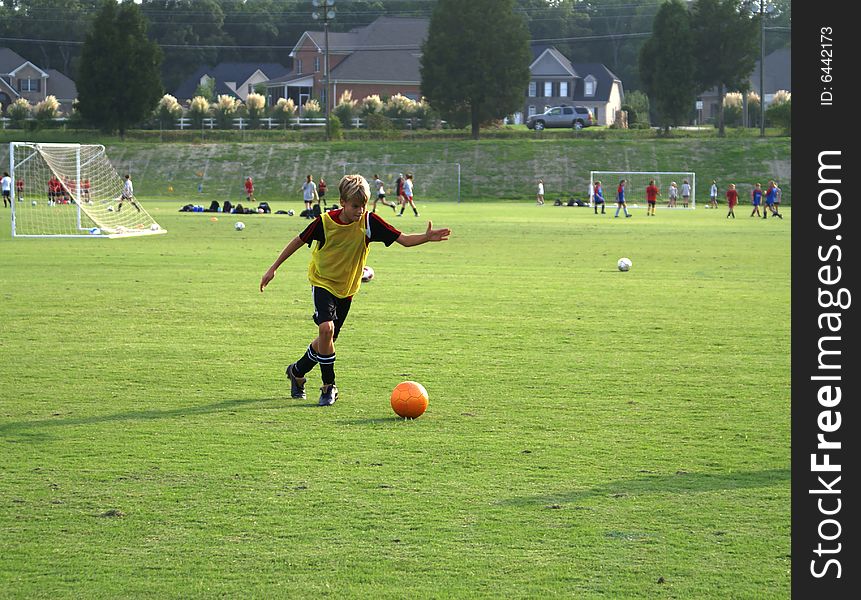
(638, 181)
(433, 181)
(71, 190)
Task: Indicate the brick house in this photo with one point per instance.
(20, 78)
(381, 58)
(555, 80)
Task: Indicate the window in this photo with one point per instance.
(548, 89)
(589, 86)
(567, 111)
(30, 85)
(298, 65)
(533, 89)
(531, 111)
(316, 64)
(563, 89)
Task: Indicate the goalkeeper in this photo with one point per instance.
(128, 193)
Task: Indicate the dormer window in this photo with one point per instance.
(589, 85)
(30, 85)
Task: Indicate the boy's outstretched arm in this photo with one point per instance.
(431, 235)
(288, 250)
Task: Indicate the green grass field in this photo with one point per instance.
(591, 433)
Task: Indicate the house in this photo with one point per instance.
(230, 78)
(380, 58)
(777, 76)
(20, 78)
(555, 80)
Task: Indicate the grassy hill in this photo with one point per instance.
(497, 169)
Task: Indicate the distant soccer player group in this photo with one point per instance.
(769, 199)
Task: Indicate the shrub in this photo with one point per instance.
(753, 108)
(225, 108)
(372, 105)
(379, 122)
(346, 109)
(336, 131)
(19, 111)
(198, 110)
(284, 110)
(399, 107)
(312, 109)
(168, 110)
(255, 104)
(206, 90)
(779, 114)
(732, 108)
(638, 107)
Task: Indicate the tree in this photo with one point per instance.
(119, 83)
(729, 50)
(667, 65)
(472, 67)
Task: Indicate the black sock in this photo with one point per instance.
(327, 368)
(306, 363)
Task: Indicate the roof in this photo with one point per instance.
(778, 72)
(604, 79)
(228, 71)
(61, 86)
(10, 60)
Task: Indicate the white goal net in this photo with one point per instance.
(71, 190)
(431, 181)
(636, 183)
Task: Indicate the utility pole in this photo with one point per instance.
(326, 14)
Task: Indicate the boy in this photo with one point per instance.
(770, 195)
(6, 184)
(731, 200)
(599, 197)
(128, 193)
(652, 193)
(309, 195)
(381, 195)
(686, 193)
(408, 195)
(343, 239)
(713, 193)
(539, 197)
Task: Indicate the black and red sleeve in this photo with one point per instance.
(314, 231)
(382, 231)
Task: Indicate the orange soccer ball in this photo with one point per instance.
(409, 399)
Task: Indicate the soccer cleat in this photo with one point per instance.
(297, 384)
(628, 215)
(328, 395)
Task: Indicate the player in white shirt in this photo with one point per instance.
(408, 195)
(539, 197)
(713, 192)
(381, 195)
(6, 185)
(128, 194)
(686, 193)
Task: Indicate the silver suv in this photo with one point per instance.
(561, 116)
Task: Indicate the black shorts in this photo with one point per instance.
(328, 307)
(321, 193)
(7, 193)
(381, 196)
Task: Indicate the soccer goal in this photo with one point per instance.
(636, 183)
(71, 190)
(431, 181)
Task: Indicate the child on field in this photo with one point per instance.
(672, 195)
(249, 190)
(343, 239)
(381, 195)
(309, 194)
(756, 199)
(620, 199)
(408, 195)
(652, 193)
(128, 193)
(713, 194)
(598, 197)
(539, 197)
(686, 192)
(731, 200)
(770, 196)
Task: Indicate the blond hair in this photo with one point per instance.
(354, 187)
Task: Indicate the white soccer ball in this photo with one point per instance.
(155, 226)
(290, 213)
(34, 203)
(239, 226)
(110, 209)
(367, 273)
(624, 264)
